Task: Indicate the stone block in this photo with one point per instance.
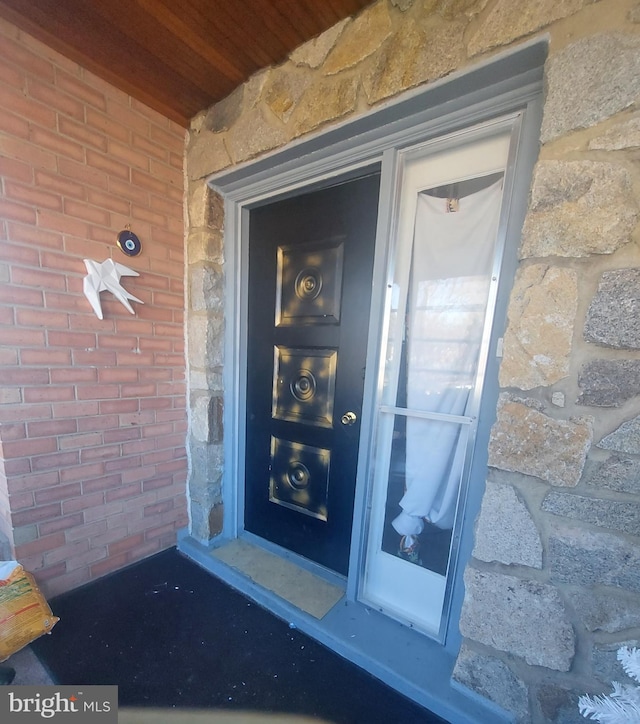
(325, 100)
(402, 5)
(283, 91)
(206, 469)
(452, 9)
(559, 705)
(359, 39)
(205, 245)
(210, 379)
(585, 87)
(527, 441)
(505, 531)
(199, 526)
(216, 520)
(206, 287)
(583, 557)
(314, 52)
(579, 208)
(205, 206)
(415, 55)
(216, 213)
(207, 463)
(197, 122)
(608, 382)
(491, 678)
(512, 19)
(222, 115)
(614, 514)
(206, 418)
(199, 204)
(521, 617)
(604, 660)
(625, 439)
(198, 340)
(542, 312)
(558, 399)
(624, 135)
(254, 87)
(615, 473)
(215, 219)
(613, 318)
(253, 135)
(204, 492)
(206, 340)
(206, 154)
(216, 419)
(605, 611)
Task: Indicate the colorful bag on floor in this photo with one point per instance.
(24, 612)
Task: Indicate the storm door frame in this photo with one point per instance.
(509, 83)
(475, 458)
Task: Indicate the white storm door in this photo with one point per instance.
(439, 316)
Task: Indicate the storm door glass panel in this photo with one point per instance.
(437, 337)
(448, 289)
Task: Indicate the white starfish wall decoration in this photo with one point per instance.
(106, 276)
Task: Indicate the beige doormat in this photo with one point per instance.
(301, 588)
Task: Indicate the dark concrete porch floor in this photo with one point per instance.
(173, 636)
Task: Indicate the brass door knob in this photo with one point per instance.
(348, 418)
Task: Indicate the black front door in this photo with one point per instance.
(310, 275)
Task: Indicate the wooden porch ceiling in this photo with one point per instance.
(177, 56)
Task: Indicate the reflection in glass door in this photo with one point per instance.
(439, 312)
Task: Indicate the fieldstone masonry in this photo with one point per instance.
(585, 86)
(620, 136)
(585, 556)
(528, 441)
(620, 474)
(553, 587)
(613, 319)
(615, 514)
(518, 540)
(605, 660)
(539, 334)
(603, 610)
(490, 677)
(539, 630)
(625, 439)
(509, 20)
(205, 330)
(579, 208)
(609, 382)
(423, 53)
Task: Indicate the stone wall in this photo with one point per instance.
(553, 587)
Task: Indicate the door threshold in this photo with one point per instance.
(407, 661)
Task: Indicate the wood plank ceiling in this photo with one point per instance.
(177, 56)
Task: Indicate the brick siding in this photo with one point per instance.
(92, 413)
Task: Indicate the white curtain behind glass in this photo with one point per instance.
(453, 253)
